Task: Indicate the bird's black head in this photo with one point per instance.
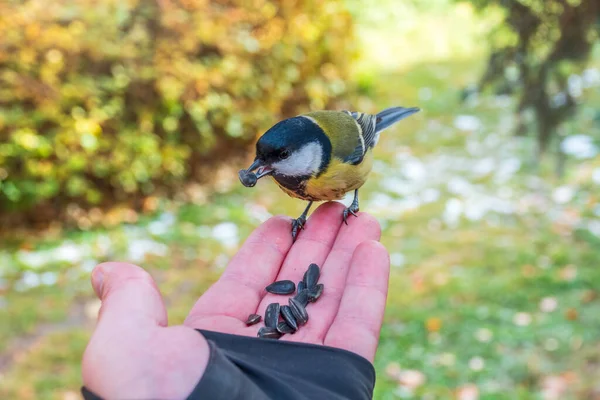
(296, 147)
(284, 138)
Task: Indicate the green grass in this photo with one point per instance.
(50, 370)
(501, 301)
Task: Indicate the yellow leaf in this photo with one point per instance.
(433, 324)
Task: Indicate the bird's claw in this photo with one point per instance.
(297, 225)
(350, 210)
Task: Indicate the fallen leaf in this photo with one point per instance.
(553, 387)
(548, 304)
(407, 378)
(589, 296)
(393, 370)
(467, 392)
(26, 246)
(433, 324)
(150, 204)
(571, 314)
(568, 273)
(529, 271)
(411, 378)
(417, 281)
(522, 319)
(570, 377)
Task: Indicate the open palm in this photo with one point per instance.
(134, 354)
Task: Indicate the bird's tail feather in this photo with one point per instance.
(390, 116)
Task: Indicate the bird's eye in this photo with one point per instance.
(284, 154)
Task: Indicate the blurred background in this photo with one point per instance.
(123, 125)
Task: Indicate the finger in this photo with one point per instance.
(312, 246)
(333, 276)
(238, 291)
(358, 322)
(131, 338)
(129, 297)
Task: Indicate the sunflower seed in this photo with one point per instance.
(281, 287)
(301, 286)
(268, 332)
(299, 312)
(272, 315)
(288, 316)
(315, 293)
(302, 297)
(247, 178)
(312, 276)
(283, 328)
(253, 319)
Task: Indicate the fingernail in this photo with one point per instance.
(97, 281)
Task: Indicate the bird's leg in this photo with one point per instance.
(298, 223)
(353, 209)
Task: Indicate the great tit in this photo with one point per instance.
(321, 155)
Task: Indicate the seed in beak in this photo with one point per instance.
(247, 178)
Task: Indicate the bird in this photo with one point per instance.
(321, 155)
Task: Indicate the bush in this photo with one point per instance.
(111, 100)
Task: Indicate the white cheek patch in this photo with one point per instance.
(305, 161)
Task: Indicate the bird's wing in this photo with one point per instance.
(368, 137)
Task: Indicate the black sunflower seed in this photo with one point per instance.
(268, 332)
(284, 328)
(315, 293)
(301, 286)
(299, 312)
(247, 178)
(253, 319)
(305, 277)
(288, 316)
(312, 276)
(281, 287)
(302, 297)
(272, 315)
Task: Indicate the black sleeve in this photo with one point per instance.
(250, 368)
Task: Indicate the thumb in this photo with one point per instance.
(129, 297)
(127, 351)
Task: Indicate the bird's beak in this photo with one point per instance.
(249, 178)
(261, 169)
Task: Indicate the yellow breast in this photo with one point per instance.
(339, 179)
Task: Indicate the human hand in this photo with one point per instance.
(134, 354)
